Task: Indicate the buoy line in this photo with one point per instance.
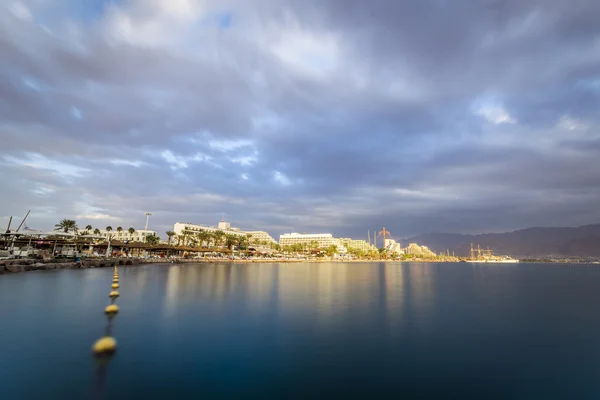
(107, 344)
(104, 348)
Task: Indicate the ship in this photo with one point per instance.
(487, 256)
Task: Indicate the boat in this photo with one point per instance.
(494, 261)
(486, 256)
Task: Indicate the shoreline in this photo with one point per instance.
(25, 264)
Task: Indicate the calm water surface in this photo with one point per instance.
(305, 331)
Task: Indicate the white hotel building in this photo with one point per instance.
(323, 239)
(137, 236)
(223, 226)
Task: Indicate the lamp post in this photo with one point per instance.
(146, 230)
(108, 248)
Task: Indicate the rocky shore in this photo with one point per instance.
(26, 264)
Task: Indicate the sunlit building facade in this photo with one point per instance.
(225, 227)
(262, 236)
(136, 236)
(356, 244)
(324, 240)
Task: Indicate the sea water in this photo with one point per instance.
(305, 330)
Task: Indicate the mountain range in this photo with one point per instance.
(581, 241)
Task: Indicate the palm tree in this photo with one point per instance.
(230, 240)
(96, 231)
(331, 250)
(88, 228)
(212, 239)
(170, 235)
(203, 237)
(119, 229)
(152, 239)
(186, 235)
(131, 231)
(66, 225)
(218, 235)
(242, 242)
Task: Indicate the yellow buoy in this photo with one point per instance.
(115, 286)
(114, 294)
(111, 309)
(104, 345)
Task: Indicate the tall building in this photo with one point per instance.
(324, 240)
(224, 226)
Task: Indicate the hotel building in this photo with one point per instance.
(137, 236)
(261, 235)
(323, 239)
(357, 244)
(180, 227)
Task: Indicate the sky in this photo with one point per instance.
(312, 116)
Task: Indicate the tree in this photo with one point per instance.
(131, 231)
(170, 235)
(187, 234)
(218, 235)
(230, 240)
(152, 239)
(119, 229)
(66, 225)
(96, 231)
(242, 242)
(331, 250)
(203, 237)
(88, 228)
(109, 228)
(314, 245)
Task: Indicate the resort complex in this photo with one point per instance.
(194, 240)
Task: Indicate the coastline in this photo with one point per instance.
(24, 264)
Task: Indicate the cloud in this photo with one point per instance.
(343, 115)
(281, 178)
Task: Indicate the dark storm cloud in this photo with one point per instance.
(310, 116)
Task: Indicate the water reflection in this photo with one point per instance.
(320, 294)
(267, 330)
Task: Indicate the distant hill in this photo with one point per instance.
(531, 242)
